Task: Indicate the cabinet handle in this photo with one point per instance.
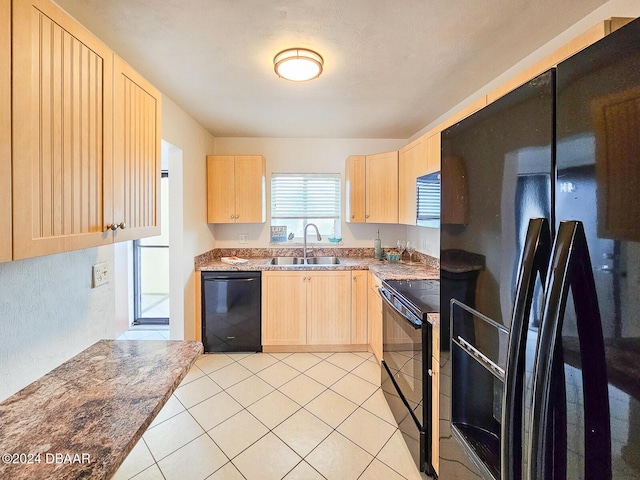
(366, 216)
(231, 217)
(353, 216)
(237, 216)
(111, 226)
(122, 225)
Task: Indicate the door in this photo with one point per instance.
(62, 132)
(231, 311)
(284, 308)
(506, 151)
(598, 161)
(221, 189)
(250, 204)
(374, 315)
(411, 160)
(151, 270)
(328, 308)
(359, 327)
(381, 196)
(136, 164)
(355, 179)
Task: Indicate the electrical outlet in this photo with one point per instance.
(244, 238)
(100, 273)
(423, 244)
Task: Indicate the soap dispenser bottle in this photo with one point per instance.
(377, 247)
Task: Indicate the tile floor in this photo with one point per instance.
(146, 332)
(274, 416)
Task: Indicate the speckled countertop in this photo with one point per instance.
(422, 268)
(83, 418)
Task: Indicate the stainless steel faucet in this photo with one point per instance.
(304, 251)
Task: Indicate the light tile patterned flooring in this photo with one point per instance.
(274, 416)
(146, 332)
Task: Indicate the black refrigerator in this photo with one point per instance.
(540, 377)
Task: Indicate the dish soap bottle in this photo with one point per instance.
(377, 247)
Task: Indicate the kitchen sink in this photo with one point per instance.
(289, 261)
(300, 261)
(323, 261)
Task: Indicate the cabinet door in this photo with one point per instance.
(5, 130)
(355, 178)
(62, 132)
(375, 316)
(284, 308)
(359, 288)
(136, 165)
(328, 308)
(411, 161)
(433, 155)
(382, 188)
(250, 193)
(221, 189)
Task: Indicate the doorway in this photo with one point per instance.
(151, 269)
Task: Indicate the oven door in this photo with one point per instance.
(402, 377)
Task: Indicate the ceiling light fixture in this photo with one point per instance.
(298, 64)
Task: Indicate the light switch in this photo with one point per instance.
(243, 238)
(100, 274)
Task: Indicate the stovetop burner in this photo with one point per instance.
(423, 294)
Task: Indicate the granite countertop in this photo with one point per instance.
(422, 268)
(83, 418)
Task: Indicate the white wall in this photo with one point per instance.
(49, 313)
(613, 8)
(190, 234)
(306, 155)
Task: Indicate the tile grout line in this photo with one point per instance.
(299, 408)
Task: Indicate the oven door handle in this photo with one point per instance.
(385, 296)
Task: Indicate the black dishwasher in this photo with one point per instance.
(231, 311)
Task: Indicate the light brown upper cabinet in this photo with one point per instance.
(136, 160)
(5, 130)
(372, 188)
(236, 189)
(62, 132)
(69, 189)
(354, 186)
(420, 157)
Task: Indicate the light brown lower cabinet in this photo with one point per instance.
(306, 308)
(375, 316)
(359, 321)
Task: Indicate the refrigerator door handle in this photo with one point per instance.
(570, 267)
(534, 261)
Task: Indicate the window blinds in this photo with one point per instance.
(305, 196)
(428, 197)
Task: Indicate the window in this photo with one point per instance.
(301, 198)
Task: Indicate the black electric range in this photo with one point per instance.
(406, 360)
(419, 296)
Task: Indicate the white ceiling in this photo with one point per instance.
(391, 66)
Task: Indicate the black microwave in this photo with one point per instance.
(428, 200)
